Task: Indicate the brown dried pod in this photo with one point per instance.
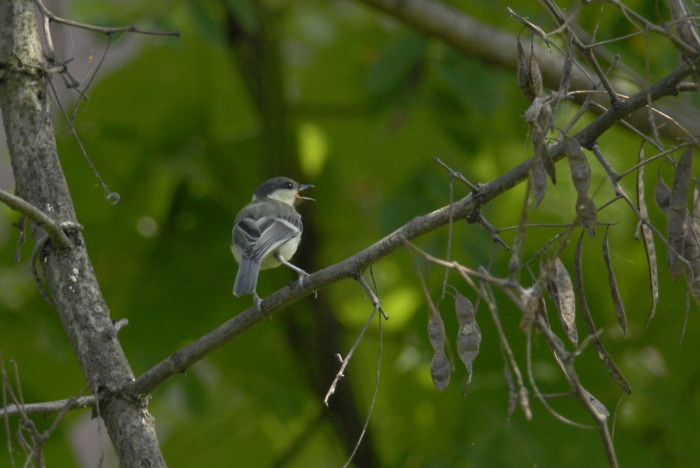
(469, 334)
(440, 367)
(662, 195)
(539, 180)
(692, 249)
(612, 282)
(678, 214)
(561, 289)
(648, 237)
(603, 353)
(581, 177)
(529, 76)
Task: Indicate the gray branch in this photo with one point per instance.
(48, 407)
(69, 273)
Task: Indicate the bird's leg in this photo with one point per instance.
(302, 274)
(257, 301)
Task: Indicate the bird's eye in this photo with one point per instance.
(289, 185)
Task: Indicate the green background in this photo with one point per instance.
(171, 126)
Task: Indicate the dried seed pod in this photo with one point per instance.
(692, 249)
(612, 282)
(662, 195)
(539, 115)
(581, 177)
(539, 180)
(678, 213)
(648, 237)
(440, 367)
(529, 76)
(603, 353)
(469, 334)
(601, 412)
(561, 289)
(532, 305)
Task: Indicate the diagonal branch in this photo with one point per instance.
(352, 267)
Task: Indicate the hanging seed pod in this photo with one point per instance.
(648, 237)
(692, 249)
(529, 76)
(440, 367)
(561, 289)
(612, 283)
(662, 195)
(678, 213)
(469, 334)
(538, 116)
(581, 177)
(603, 353)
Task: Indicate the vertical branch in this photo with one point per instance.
(69, 273)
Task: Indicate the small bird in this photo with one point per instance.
(266, 233)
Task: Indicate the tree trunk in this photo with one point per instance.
(39, 179)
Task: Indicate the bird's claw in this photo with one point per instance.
(300, 281)
(258, 302)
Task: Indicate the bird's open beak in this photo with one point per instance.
(303, 187)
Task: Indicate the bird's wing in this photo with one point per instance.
(262, 227)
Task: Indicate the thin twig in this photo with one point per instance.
(458, 175)
(346, 360)
(52, 228)
(111, 197)
(374, 397)
(48, 407)
(105, 30)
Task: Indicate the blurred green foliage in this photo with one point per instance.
(173, 129)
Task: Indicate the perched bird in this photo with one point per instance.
(266, 233)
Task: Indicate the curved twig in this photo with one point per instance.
(105, 30)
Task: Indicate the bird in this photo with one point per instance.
(266, 233)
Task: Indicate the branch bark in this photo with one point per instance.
(69, 274)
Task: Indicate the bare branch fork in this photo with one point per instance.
(54, 230)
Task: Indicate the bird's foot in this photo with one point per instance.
(300, 281)
(257, 301)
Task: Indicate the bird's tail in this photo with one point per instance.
(247, 277)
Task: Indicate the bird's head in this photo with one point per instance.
(283, 189)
